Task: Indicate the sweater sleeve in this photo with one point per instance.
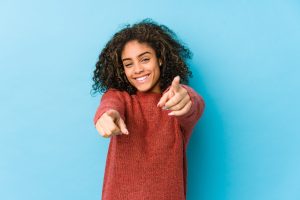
(188, 121)
(112, 99)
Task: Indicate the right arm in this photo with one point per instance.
(110, 115)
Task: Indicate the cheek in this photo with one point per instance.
(127, 74)
(157, 72)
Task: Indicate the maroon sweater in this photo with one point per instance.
(150, 163)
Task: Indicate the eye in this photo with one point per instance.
(128, 65)
(146, 59)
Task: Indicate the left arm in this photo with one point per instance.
(188, 120)
(185, 104)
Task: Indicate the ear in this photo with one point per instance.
(160, 62)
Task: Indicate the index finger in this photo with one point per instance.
(176, 83)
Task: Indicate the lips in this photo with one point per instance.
(142, 79)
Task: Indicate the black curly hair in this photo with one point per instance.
(109, 72)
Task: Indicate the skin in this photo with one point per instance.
(140, 60)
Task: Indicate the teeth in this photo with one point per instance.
(141, 78)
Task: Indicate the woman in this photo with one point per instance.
(145, 111)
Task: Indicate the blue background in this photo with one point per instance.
(245, 65)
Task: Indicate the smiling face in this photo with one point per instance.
(141, 66)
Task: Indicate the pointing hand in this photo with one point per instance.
(110, 124)
(176, 99)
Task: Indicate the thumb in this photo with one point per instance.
(176, 84)
(122, 126)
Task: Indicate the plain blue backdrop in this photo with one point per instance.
(245, 65)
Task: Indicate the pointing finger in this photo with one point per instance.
(176, 83)
(122, 126)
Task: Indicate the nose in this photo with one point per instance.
(138, 69)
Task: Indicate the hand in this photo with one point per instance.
(110, 124)
(176, 99)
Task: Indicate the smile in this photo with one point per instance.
(142, 79)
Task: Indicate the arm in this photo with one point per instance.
(188, 120)
(112, 99)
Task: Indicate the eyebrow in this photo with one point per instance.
(138, 56)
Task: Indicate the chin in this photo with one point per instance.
(142, 89)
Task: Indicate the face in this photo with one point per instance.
(141, 66)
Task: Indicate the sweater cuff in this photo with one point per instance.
(112, 99)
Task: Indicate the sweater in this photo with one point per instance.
(150, 163)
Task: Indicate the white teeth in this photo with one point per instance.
(141, 78)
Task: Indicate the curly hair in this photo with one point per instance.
(109, 72)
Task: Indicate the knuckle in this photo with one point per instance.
(181, 106)
(109, 132)
(189, 105)
(103, 134)
(177, 107)
(174, 108)
(106, 134)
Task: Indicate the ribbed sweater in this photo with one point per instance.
(150, 163)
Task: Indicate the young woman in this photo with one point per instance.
(146, 112)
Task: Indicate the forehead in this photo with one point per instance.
(134, 48)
